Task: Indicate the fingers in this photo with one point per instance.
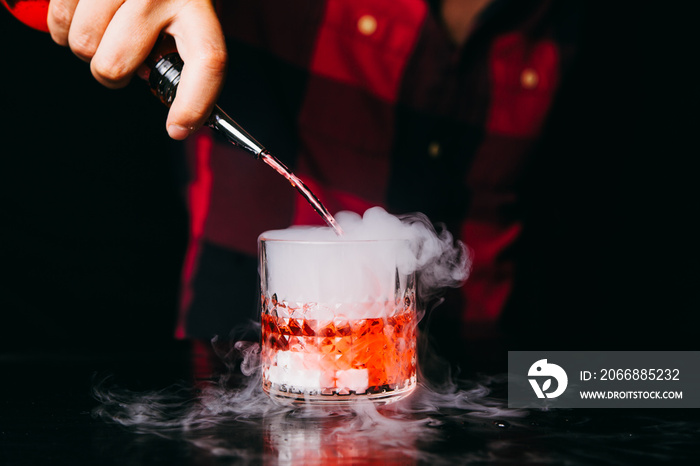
(90, 20)
(128, 40)
(116, 37)
(201, 45)
(59, 19)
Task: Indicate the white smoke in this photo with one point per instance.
(440, 424)
(203, 415)
(375, 246)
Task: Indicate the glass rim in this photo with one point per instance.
(334, 242)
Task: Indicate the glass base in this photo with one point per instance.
(288, 395)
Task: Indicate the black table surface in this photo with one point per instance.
(145, 407)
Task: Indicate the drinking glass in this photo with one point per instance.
(338, 320)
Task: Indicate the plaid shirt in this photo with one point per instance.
(371, 103)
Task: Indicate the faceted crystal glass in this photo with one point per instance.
(338, 320)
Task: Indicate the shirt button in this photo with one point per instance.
(434, 149)
(367, 25)
(529, 78)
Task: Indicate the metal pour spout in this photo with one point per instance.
(164, 78)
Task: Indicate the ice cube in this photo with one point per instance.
(290, 370)
(353, 379)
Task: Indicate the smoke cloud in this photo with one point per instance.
(203, 416)
(408, 243)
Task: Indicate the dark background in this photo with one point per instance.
(610, 257)
(93, 223)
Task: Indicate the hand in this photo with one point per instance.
(116, 37)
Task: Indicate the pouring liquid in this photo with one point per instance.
(295, 181)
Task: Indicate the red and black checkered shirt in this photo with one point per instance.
(371, 103)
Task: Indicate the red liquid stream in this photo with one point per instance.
(33, 13)
(303, 190)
